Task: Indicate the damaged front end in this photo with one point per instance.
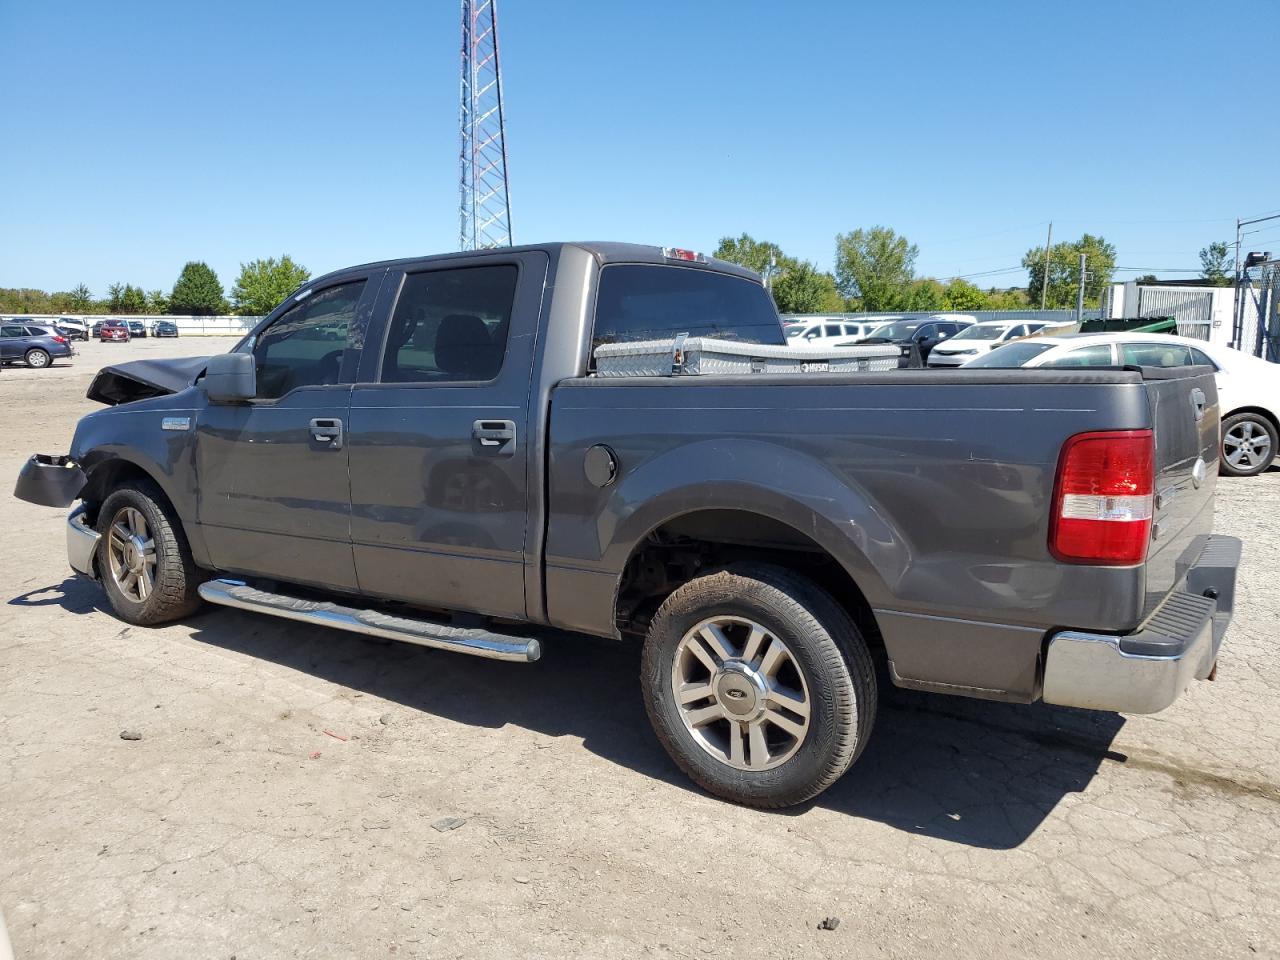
(144, 379)
(49, 480)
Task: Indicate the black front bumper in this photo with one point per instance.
(49, 480)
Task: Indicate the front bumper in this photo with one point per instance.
(1145, 671)
(949, 359)
(82, 543)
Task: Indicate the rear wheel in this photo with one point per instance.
(37, 358)
(143, 558)
(758, 685)
(1248, 444)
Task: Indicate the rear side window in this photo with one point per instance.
(450, 325)
(643, 302)
(12, 330)
(1098, 355)
(1013, 355)
(304, 347)
(1155, 354)
(1200, 358)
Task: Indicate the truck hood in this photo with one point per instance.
(143, 379)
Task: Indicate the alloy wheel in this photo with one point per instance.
(131, 552)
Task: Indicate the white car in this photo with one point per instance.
(827, 331)
(1248, 387)
(982, 338)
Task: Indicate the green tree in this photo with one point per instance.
(263, 284)
(748, 252)
(133, 300)
(79, 299)
(115, 297)
(1064, 271)
(963, 295)
(157, 302)
(197, 292)
(803, 288)
(1217, 264)
(875, 267)
(923, 294)
(1147, 278)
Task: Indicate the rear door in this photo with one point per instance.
(439, 435)
(12, 337)
(274, 497)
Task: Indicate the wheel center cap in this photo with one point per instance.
(133, 554)
(740, 691)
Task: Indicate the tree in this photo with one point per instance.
(803, 288)
(875, 267)
(963, 295)
(157, 302)
(748, 252)
(923, 294)
(1217, 264)
(198, 292)
(263, 284)
(1147, 278)
(115, 297)
(1064, 271)
(133, 300)
(79, 299)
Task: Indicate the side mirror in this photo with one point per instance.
(230, 378)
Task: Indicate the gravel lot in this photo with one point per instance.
(282, 798)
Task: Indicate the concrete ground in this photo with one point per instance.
(283, 797)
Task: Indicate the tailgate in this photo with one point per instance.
(1185, 416)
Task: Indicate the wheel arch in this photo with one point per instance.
(1262, 412)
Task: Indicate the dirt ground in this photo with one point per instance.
(282, 799)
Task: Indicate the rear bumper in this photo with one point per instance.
(82, 543)
(1145, 671)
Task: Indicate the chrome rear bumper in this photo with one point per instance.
(1145, 671)
(82, 543)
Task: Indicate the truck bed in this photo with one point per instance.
(931, 489)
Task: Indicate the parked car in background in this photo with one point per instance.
(826, 331)
(916, 337)
(164, 328)
(32, 344)
(137, 328)
(1248, 387)
(113, 330)
(982, 338)
(71, 328)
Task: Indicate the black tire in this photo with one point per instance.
(1260, 431)
(37, 358)
(176, 577)
(826, 648)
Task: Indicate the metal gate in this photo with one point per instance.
(1259, 311)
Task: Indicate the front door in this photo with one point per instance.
(274, 497)
(11, 339)
(440, 436)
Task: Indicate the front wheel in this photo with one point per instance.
(1248, 444)
(759, 685)
(143, 558)
(38, 358)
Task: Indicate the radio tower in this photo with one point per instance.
(485, 200)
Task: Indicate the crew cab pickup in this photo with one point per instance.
(422, 449)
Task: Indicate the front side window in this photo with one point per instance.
(1155, 355)
(12, 330)
(450, 325)
(1098, 355)
(649, 302)
(304, 347)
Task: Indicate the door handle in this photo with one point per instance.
(327, 430)
(493, 433)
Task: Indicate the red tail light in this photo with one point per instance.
(1102, 500)
(58, 339)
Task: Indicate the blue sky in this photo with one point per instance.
(138, 135)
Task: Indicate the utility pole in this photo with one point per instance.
(1084, 275)
(1044, 281)
(1237, 320)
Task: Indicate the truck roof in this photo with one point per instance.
(604, 251)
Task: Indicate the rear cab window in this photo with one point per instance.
(651, 302)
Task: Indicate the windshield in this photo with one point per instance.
(982, 333)
(898, 331)
(1011, 355)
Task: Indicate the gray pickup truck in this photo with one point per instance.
(422, 450)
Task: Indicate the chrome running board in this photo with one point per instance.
(476, 641)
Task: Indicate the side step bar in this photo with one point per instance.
(475, 641)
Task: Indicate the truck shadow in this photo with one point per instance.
(971, 772)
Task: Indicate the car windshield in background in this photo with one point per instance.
(898, 331)
(982, 333)
(1011, 355)
(644, 302)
